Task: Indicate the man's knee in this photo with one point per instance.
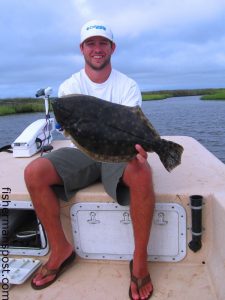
(38, 172)
(33, 171)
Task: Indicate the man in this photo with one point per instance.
(70, 169)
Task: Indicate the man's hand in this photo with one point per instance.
(136, 174)
(142, 154)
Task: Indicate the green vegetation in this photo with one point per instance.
(27, 105)
(158, 95)
(218, 95)
(20, 108)
(149, 97)
(21, 105)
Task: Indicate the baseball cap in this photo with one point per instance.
(95, 28)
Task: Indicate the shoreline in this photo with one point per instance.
(206, 94)
(11, 106)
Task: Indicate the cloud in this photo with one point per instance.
(83, 7)
(160, 43)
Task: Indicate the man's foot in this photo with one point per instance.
(140, 287)
(47, 274)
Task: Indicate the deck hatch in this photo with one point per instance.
(21, 232)
(104, 231)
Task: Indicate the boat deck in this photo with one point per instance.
(110, 280)
(198, 275)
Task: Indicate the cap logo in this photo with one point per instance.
(96, 27)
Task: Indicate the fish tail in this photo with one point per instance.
(169, 153)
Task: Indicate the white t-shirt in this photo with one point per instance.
(118, 88)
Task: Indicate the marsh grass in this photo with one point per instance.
(158, 95)
(6, 110)
(149, 97)
(30, 105)
(216, 96)
(21, 105)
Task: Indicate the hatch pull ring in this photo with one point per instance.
(160, 219)
(196, 215)
(93, 219)
(126, 218)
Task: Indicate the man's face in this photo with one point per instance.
(97, 52)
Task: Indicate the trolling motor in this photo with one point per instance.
(46, 93)
(196, 214)
(38, 135)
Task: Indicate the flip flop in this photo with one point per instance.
(139, 282)
(57, 272)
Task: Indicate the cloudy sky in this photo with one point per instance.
(162, 44)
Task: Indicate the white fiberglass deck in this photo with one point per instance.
(198, 276)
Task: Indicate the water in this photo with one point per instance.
(202, 120)
(190, 116)
(12, 126)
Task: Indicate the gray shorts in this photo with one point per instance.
(78, 171)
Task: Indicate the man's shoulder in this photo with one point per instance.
(123, 78)
(69, 84)
(120, 74)
(74, 77)
(125, 89)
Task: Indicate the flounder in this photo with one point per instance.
(108, 132)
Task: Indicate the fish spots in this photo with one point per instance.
(109, 132)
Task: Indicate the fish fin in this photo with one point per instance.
(138, 111)
(169, 153)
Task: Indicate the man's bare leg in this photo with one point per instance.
(39, 176)
(138, 177)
